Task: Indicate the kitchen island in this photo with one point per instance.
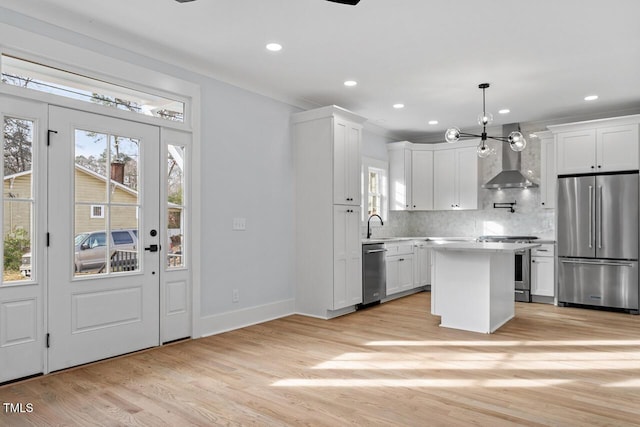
(472, 284)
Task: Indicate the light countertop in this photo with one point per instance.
(481, 246)
(432, 239)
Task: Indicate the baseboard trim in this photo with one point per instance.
(231, 320)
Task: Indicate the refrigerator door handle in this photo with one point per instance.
(599, 217)
(612, 263)
(590, 216)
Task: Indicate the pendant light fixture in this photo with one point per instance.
(515, 139)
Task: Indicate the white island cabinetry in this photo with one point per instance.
(472, 284)
(327, 161)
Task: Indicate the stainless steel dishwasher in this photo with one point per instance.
(374, 273)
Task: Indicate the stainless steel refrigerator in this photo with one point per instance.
(598, 240)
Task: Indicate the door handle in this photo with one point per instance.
(152, 248)
(612, 263)
(590, 216)
(599, 217)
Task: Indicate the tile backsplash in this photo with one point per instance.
(529, 218)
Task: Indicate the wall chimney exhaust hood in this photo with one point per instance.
(510, 176)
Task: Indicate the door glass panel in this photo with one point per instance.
(18, 199)
(90, 244)
(106, 204)
(175, 206)
(91, 167)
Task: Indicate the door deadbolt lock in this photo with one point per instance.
(153, 233)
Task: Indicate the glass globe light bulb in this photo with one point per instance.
(483, 150)
(485, 119)
(517, 141)
(452, 135)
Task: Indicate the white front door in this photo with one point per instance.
(104, 237)
(22, 337)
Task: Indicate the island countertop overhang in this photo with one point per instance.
(481, 246)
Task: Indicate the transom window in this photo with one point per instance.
(31, 75)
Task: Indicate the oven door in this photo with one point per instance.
(523, 276)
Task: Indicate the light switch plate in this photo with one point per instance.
(239, 224)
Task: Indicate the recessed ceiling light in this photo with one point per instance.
(350, 83)
(398, 106)
(433, 122)
(504, 111)
(274, 47)
(591, 98)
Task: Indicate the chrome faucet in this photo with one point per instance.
(369, 225)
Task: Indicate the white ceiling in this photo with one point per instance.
(542, 57)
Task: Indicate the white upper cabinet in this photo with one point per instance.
(548, 175)
(422, 180)
(455, 179)
(432, 177)
(444, 177)
(399, 178)
(467, 178)
(577, 151)
(617, 148)
(346, 162)
(605, 145)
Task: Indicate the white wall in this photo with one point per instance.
(249, 173)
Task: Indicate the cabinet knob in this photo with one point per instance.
(533, 260)
(599, 166)
(414, 206)
(593, 167)
(543, 203)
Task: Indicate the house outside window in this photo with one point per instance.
(97, 211)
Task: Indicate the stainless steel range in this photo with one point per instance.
(523, 264)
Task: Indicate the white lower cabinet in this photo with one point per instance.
(347, 253)
(422, 268)
(543, 271)
(400, 267)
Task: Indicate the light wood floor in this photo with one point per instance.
(389, 365)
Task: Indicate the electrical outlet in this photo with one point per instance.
(235, 296)
(239, 224)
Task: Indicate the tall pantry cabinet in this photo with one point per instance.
(327, 160)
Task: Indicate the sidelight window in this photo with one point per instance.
(17, 197)
(175, 209)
